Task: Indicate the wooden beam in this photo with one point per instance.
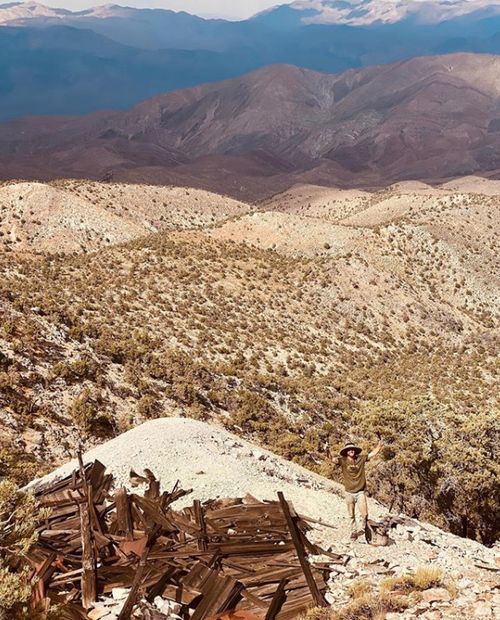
(318, 598)
(200, 522)
(277, 602)
(89, 563)
(123, 514)
(127, 609)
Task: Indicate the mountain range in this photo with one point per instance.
(427, 118)
(54, 61)
(284, 17)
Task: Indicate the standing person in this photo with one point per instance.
(353, 463)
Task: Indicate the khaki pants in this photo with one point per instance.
(358, 500)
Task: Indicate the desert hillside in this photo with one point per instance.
(313, 317)
(80, 216)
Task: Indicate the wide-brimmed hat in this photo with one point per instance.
(350, 446)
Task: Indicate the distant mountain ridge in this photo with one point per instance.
(369, 12)
(427, 118)
(64, 70)
(55, 61)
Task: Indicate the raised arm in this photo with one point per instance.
(375, 450)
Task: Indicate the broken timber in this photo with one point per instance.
(318, 598)
(89, 564)
(221, 556)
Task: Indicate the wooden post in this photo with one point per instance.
(89, 563)
(128, 608)
(318, 598)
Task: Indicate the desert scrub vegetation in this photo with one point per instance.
(394, 594)
(368, 606)
(284, 350)
(17, 465)
(87, 411)
(19, 517)
(424, 578)
(430, 471)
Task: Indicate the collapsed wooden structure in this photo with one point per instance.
(211, 558)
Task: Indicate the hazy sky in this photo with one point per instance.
(213, 8)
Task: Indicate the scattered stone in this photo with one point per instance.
(482, 609)
(436, 594)
(119, 593)
(259, 455)
(465, 583)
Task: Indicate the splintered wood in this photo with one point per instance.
(234, 555)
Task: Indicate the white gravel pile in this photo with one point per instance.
(214, 463)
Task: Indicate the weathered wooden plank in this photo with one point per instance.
(272, 575)
(293, 609)
(123, 514)
(153, 490)
(127, 609)
(317, 596)
(255, 601)
(95, 474)
(200, 522)
(152, 512)
(89, 563)
(257, 548)
(278, 599)
(220, 594)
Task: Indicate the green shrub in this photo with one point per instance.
(87, 410)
